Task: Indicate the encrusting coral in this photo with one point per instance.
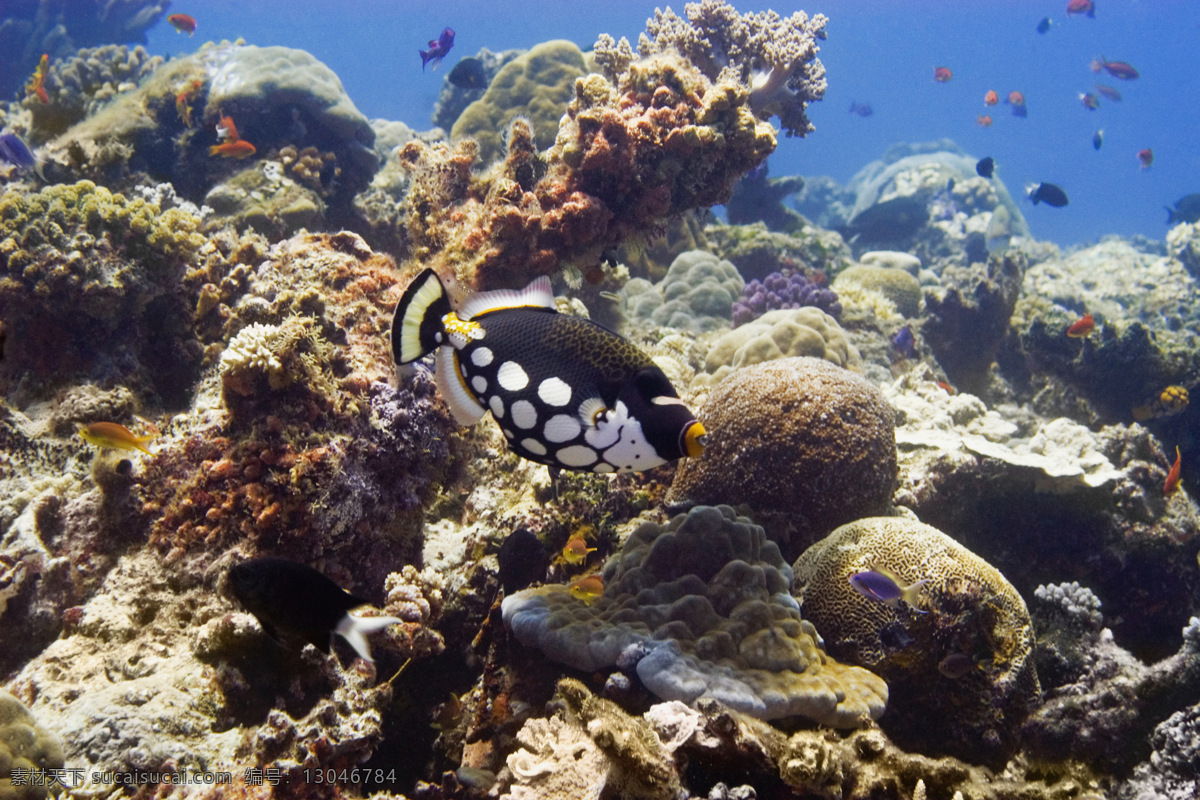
(799, 436)
(967, 610)
(653, 136)
(24, 746)
(701, 605)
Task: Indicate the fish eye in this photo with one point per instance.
(702, 440)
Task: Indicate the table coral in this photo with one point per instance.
(88, 284)
(704, 600)
(24, 745)
(536, 85)
(652, 137)
(799, 436)
(969, 609)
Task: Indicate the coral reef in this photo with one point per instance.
(1069, 625)
(788, 423)
(81, 84)
(1183, 242)
(702, 606)
(968, 315)
(24, 745)
(967, 609)
(650, 138)
(757, 198)
(1171, 771)
(787, 289)
(696, 295)
(88, 284)
(758, 252)
(897, 285)
(536, 85)
(778, 334)
(265, 198)
(457, 94)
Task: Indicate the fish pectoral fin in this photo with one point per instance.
(592, 411)
(453, 389)
(356, 629)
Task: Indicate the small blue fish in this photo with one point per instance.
(861, 109)
(17, 153)
(905, 342)
(438, 48)
(887, 587)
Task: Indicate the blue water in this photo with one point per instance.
(881, 52)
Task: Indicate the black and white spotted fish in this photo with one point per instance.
(565, 391)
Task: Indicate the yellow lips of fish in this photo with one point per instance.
(114, 436)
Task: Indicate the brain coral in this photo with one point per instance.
(706, 597)
(537, 85)
(972, 611)
(24, 745)
(796, 435)
(780, 333)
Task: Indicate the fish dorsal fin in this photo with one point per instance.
(417, 324)
(537, 294)
(453, 389)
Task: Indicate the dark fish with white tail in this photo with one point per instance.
(293, 598)
(565, 391)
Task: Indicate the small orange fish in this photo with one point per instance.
(991, 98)
(576, 550)
(114, 436)
(1016, 98)
(942, 74)
(1081, 327)
(587, 589)
(1109, 92)
(183, 101)
(233, 149)
(1172, 484)
(984, 121)
(947, 388)
(1145, 158)
(182, 23)
(37, 83)
(226, 130)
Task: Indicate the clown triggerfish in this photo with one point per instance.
(565, 391)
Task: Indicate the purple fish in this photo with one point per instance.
(437, 49)
(884, 586)
(15, 152)
(904, 342)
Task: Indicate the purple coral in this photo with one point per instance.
(786, 289)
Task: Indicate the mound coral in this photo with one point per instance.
(702, 606)
(971, 612)
(787, 289)
(795, 435)
(24, 746)
(696, 295)
(896, 285)
(652, 137)
(80, 85)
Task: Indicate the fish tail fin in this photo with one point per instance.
(1170, 214)
(355, 630)
(417, 327)
(912, 593)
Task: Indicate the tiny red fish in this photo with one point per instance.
(1145, 157)
(942, 74)
(226, 130)
(183, 101)
(984, 121)
(1108, 92)
(1017, 101)
(1118, 69)
(37, 83)
(1085, 7)
(1172, 482)
(182, 23)
(233, 149)
(1089, 100)
(1081, 327)
(945, 387)
(991, 98)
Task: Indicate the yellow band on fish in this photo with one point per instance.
(695, 439)
(456, 326)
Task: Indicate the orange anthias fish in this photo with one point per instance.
(226, 130)
(984, 120)
(37, 83)
(182, 23)
(1172, 483)
(1118, 69)
(576, 550)
(233, 149)
(1081, 327)
(1108, 92)
(588, 588)
(114, 436)
(183, 101)
(991, 98)
(1085, 7)
(942, 74)
(1145, 158)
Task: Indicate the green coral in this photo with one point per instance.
(262, 197)
(24, 745)
(896, 285)
(537, 85)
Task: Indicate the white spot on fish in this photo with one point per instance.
(497, 406)
(562, 428)
(534, 446)
(603, 467)
(554, 392)
(512, 377)
(576, 456)
(632, 451)
(482, 356)
(524, 415)
(479, 384)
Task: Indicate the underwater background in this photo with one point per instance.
(635, 404)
